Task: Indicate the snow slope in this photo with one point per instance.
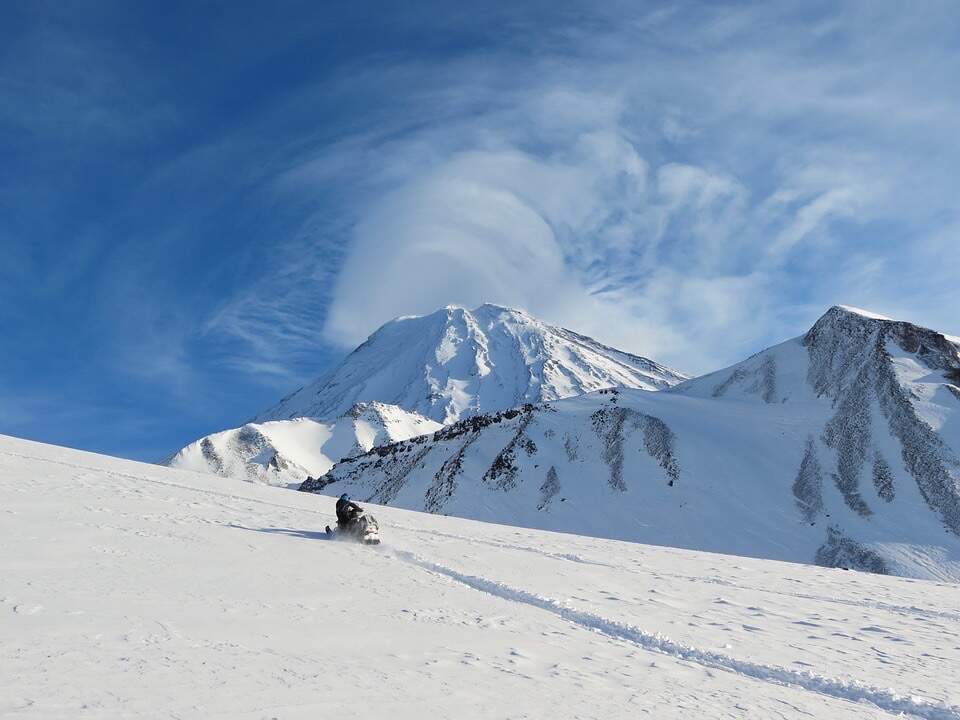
(839, 447)
(288, 452)
(457, 362)
(138, 591)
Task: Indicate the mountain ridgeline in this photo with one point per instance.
(838, 447)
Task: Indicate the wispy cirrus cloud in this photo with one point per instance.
(688, 183)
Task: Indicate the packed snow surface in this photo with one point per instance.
(132, 590)
(457, 362)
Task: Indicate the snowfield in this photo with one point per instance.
(132, 590)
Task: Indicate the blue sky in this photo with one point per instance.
(203, 207)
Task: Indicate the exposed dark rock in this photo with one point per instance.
(929, 461)
(808, 486)
(608, 424)
(850, 363)
(611, 424)
(736, 376)
(658, 441)
(840, 551)
(549, 489)
(882, 477)
(210, 455)
(760, 380)
(848, 431)
(250, 441)
(313, 485)
(768, 379)
(396, 474)
(444, 483)
(504, 470)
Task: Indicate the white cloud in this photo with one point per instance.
(560, 236)
(484, 226)
(688, 185)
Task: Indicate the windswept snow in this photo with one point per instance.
(132, 590)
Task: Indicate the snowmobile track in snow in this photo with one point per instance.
(907, 610)
(569, 557)
(883, 699)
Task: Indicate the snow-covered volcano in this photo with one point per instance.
(410, 377)
(838, 447)
(286, 452)
(455, 363)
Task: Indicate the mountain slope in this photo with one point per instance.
(137, 591)
(287, 452)
(839, 447)
(457, 362)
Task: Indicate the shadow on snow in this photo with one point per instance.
(291, 532)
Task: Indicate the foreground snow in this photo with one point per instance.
(133, 590)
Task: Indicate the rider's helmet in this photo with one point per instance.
(345, 497)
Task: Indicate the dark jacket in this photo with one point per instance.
(347, 510)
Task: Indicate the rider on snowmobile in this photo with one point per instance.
(347, 512)
(353, 522)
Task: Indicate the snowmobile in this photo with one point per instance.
(362, 528)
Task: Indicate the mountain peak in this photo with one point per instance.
(453, 308)
(456, 362)
(844, 334)
(494, 308)
(851, 310)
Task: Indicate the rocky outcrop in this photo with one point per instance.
(850, 362)
(612, 425)
(549, 489)
(808, 485)
(840, 551)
